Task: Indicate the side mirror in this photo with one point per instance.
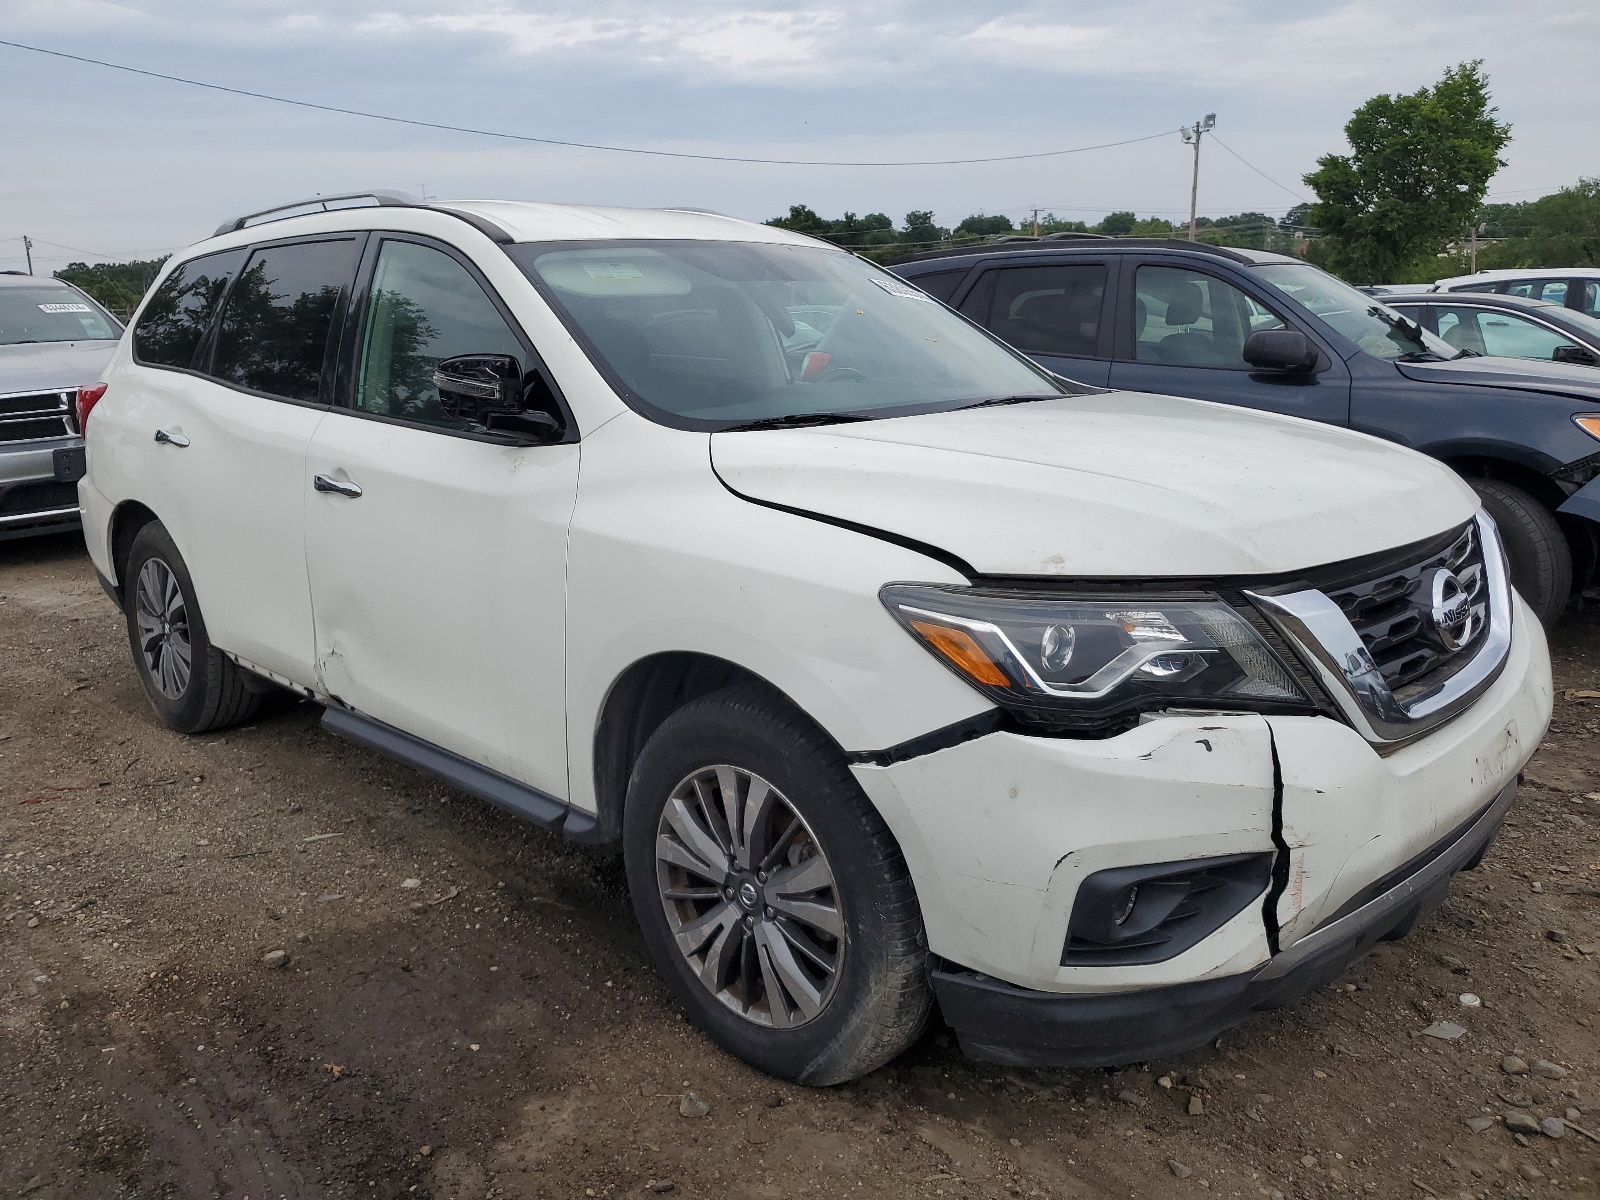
(471, 386)
(1574, 354)
(1286, 350)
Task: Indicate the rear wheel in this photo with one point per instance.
(188, 681)
(771, 894)
(1541, 561)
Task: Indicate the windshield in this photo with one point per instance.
(1376, 328)
(49, 313)
(719, 335)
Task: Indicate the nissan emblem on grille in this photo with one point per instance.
(1455, 621)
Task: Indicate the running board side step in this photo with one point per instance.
(500, 790)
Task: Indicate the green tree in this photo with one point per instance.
(118, 286)
(873, 235)
(1563, 230)
(1117, 224)
(1416, 175)
(978, 226)
(1050, 223)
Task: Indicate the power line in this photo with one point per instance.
(1258, 170)
(544, 141)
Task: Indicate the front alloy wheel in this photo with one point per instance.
(772, 896)
(750, 897)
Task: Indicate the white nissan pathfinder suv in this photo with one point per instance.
(905, 672)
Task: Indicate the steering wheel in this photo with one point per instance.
(842, 375)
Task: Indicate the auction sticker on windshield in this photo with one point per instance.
(64, 308)
(896, 287)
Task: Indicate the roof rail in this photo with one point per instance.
(379, 199)
(1059, 242)
(283, 212)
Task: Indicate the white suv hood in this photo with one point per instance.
(1112, 484)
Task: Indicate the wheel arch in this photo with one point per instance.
(639, 700)
(126, 520)
(1580, 535)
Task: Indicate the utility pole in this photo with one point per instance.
(1036, 222)
(1193, 135)
(27, 248)
(1477, 228)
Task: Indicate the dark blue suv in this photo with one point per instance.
(1267, 331)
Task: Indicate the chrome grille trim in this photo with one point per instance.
(1319, 628)
(35, 416)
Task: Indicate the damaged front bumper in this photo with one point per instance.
(1002, 832)
(1001, 1023)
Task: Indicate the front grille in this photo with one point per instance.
(33, 416)
(1392, 613)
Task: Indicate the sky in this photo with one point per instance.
(101, 165)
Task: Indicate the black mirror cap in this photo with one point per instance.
(1580, 355)
(1280, 350)
(533, 426)
(471, 386)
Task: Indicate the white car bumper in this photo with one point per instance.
(1000, 832)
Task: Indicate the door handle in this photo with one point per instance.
(171, 439)
(343, 487)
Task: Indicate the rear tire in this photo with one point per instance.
(863, 995)
(1541, 561)
(188, 681)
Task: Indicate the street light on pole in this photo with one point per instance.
(1192, 135)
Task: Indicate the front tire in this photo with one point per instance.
(1541, 560)
(772, 896)
(188, 681)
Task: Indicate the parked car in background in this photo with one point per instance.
(1505, 326)
(1266, 331)
(902, 670)
(1572, 287)
(54, 339)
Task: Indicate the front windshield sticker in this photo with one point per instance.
(897, 287)
(613, 270)
(63, 308)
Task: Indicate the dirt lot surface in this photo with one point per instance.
(494, 1028)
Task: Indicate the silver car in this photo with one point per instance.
(54, 339)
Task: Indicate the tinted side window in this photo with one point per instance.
(1190, 319)
(425, 307)
(1591, 299)
(275, 328)
(941, 285)
(1052, 309)
(175, 322)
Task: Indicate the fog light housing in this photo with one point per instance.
(1146, 914)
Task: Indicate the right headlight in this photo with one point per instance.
(1089, 663)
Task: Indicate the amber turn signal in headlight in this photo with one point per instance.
(1589, 423)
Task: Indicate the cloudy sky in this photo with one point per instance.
(103, 164)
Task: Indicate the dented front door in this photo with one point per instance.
(438, 590)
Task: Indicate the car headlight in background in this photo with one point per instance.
(1087, 663)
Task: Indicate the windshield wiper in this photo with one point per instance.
(1416, 356)
(996, 401)
(1465, 353)
(795, 421)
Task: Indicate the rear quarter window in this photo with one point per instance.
(173, 327)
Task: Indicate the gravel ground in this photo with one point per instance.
(463, 1008)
